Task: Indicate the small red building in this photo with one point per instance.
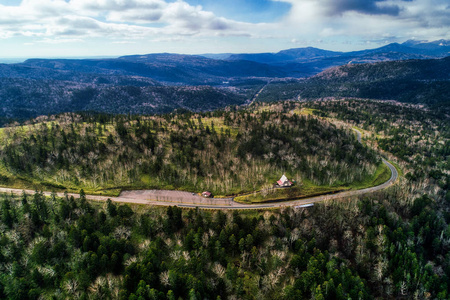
(207, 194)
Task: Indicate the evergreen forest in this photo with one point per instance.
(391, 244)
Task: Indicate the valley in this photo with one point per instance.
(104, 162)
(162, 83)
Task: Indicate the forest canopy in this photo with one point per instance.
(394, 243)
(225, 152)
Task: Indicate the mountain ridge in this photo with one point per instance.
(410, 81)
(162, 82)
(170, 68)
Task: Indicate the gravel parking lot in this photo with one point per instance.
(173, 196)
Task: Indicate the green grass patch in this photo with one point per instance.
(10, 180)
(52, 185)
(292, 193)
(112, 192)
(109, 192)
(13, 181)
(146, 179)
(219, 125)
(304, 111)
(381, 175)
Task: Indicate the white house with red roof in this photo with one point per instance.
(284, 182)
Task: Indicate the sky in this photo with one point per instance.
(86, 28)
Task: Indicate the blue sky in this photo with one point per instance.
(80, 28)
(253, 11)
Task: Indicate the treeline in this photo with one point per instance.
(224, 151)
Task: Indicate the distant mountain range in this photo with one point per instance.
(215, 69)
(156, 83)
(173, 69)
(323, 58)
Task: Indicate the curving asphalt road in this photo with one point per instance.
(168, 198)
(235, 205)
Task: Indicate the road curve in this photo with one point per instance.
(235, 205)
(229, 203)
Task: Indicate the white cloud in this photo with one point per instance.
(63, 21)
(116, 5)
(60, 41)
(124, 42)
(112, 18)
(369, 19)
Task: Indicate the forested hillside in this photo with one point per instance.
(420, 81)
(226, 152)
(419, 138)
(411, 81)
(390, 244)
(24, 98)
